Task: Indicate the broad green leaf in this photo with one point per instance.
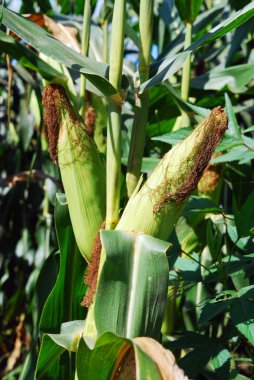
(54, 345)
(70, 334)
(221, 363)
(244, 218)
(189, 269)
(147, 369)
(233, 127)
(63, 303)
(232, 22)
(248, 142)
(250, 129)
(234, 78)
(237, 38)
(214, 307)
(242, 312)
(188, 9)
(117, 357)
(189, 340)
(98, 364)
(45, 43)
(175, 137)
(203, 350)
(227, 143)
(27, 58)
(133, 284)
(49, 354)
(214, 240)
(164, 68)
(204, 19)
(183, 105)
(196, 359)
(235, 154)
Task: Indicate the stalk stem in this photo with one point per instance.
(183, 120)
(84, 51)
(142, 101)
(105, 35)
(114, 115)
(187, 64)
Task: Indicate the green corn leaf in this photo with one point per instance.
(27, 58)
(113, 356)
(55, 345)
(49, 354)
(233, 127)
(133, 262)
(235, 78)
(69, 289)
(42, 41)
(169, 66)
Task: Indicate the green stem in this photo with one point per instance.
(84, 51)
(114, 115)
(142, 102)
(183, 120)
(187, 64)
(105, 35)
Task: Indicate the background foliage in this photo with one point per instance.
(210, 304)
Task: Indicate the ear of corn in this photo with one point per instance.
(82, 170)
(156, 207)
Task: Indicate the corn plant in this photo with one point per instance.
(118, 226)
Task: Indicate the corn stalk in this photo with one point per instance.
(114, 116)
(142, 101)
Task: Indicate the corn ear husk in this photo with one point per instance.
(156, 207)
(81, 167)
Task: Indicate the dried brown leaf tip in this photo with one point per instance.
(91, 276)
(56, 104)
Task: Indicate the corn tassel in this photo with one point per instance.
(82, 170)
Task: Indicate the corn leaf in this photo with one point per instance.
(132, 284)
(53, 346)
(169, 66)
(69, 289)
(27, 58)
(42, 41)
(234, 78)
(140, 358)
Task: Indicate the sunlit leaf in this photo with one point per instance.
(169, 66)
(42, 41)
(133, 261)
